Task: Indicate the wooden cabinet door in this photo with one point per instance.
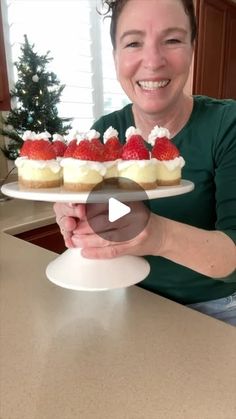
(210, 48)
(229, 85)
(215, 56)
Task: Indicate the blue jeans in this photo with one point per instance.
(222, 309)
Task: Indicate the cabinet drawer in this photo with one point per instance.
(48, 237)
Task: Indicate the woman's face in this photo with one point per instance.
(153, 53)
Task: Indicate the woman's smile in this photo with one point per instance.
(150, 85)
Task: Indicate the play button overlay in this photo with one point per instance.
(116, 209)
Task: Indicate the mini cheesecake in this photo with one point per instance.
(37, 165)
(83, 168)
(169, 163)
(135, 163)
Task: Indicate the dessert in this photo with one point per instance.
(59, 145)
(82, 166)
(169, 163)
(37, 164)
(112, 153)
(135, 163)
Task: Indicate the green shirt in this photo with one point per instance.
(208, 145)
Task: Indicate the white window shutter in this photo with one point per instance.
(79, 43)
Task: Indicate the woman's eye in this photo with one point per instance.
(134, 44)
(173, 41)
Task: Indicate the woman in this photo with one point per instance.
(189, 240)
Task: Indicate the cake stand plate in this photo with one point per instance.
(60, 195)
(71, 270)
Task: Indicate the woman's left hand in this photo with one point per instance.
(138, 233)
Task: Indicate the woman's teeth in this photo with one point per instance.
(153, 85)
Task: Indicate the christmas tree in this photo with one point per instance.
(35, 96)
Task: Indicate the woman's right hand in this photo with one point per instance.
(68, 216)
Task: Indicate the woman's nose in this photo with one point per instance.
(153, 57)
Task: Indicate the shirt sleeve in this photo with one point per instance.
(225, 171)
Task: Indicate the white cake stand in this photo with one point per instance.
(70, 269)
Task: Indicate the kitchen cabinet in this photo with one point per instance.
(47, 237)
(215, 55)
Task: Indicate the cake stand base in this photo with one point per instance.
(71, 270)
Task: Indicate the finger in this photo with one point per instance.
(94, 209)
(108, 252)
(97, 224)
(88, 240)
(68, 224)
(68, 209)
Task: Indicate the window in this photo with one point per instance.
(78, 41)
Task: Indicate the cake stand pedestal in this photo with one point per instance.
(70, 269)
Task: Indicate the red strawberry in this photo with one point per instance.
(96, 143)
(85, 150)
(59, 148)
(112, 149)
(70, 149)
(135, 149)
(98, 148)
(41, 150)
(113, 143)
(111, 154)
(24, 151)
(164, 149)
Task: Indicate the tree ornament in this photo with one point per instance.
(30, 119)
(35, 78)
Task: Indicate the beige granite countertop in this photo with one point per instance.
(121, 354)
(19, 215)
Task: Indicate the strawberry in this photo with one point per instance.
(24, 151)
(41, 150)
(98, 148)
(111, 154)
(135, 149)
(85, 150)
(113, 143)
(96, 143)
(70, 148)
(112, 149)
(164, 149)
(59, 148)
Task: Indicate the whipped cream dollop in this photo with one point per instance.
(109, 133)
(91, 134)
(124, 164)
(158, 132)
(90, 165)
(73, 134)
(132, 131)
(53, 165)
(43, 136)
(29, 135)
(172, 164)
(58, 137)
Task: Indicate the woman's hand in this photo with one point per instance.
(138, 233)
(68, 217)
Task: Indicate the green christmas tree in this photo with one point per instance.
(35, 96)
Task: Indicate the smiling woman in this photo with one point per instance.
(188, 241)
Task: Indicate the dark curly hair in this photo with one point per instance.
(115, 7)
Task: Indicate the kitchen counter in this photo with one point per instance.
(121, 354)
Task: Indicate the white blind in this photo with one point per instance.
(79, 43)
